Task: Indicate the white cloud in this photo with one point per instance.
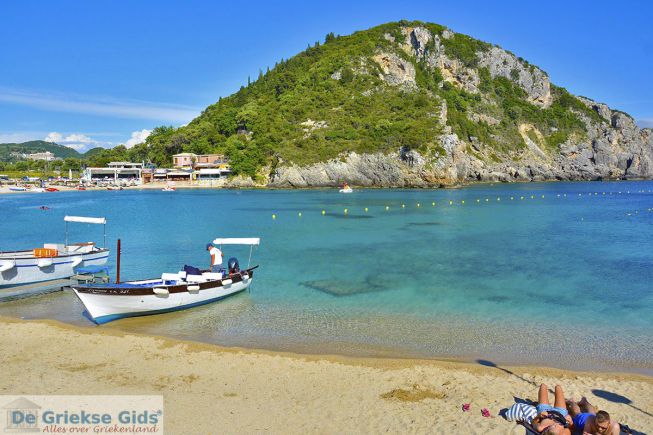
(137, 137)
(19, 137)
(94, 105)
(54, 137)
(77, 141)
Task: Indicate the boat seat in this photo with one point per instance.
(212, 275)
(170, 277)
(195, 278)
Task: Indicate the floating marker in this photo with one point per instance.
(323, 212)
(487, 200)
(579, 194)
(387, 208)
(299, 214)
(478, 200)
(532, 196)
(433, 204)
(274, 216)
(512, 198)
(418, 204)
(565, 195)
(462, 202)
(450, 202)
(542, 196)
(521, 198)
(346, 211)
(498, 199)
(365, 209)
(403, 205)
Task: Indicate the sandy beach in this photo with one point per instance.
(209, 389)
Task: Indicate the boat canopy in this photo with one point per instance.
(86, 220)
(242, 241)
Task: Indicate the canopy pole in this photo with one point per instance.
(118, 263)
(249, 260)
(66, 237)
(105, 236)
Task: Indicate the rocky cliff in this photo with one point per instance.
(613, 147)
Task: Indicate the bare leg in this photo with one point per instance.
(543, 394)
(573, 408)
(585, 406)
(559, 401)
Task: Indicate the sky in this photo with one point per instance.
(106, 72)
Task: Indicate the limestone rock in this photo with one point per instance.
(531, 79)
(396, 71)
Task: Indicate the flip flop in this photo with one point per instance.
(485, 412)
(466, 407)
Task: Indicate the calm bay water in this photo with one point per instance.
(561, 280)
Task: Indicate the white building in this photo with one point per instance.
(115, 171)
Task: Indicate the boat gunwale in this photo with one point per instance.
(65, 255)
(108, 290)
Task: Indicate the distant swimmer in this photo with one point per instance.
(44, 207)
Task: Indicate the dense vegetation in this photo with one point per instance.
(330, 99)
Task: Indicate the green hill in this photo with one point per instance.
(435, 105)
(35, 146)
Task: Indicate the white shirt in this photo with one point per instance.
(217, 256)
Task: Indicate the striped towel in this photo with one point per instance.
(521, 412)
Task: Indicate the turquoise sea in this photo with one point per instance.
(562, 277)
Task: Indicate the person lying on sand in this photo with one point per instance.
(588, 421)
(551, 420)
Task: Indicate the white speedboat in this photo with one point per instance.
(18, 188)
(53, 260)
(172, 292)
(346, 190)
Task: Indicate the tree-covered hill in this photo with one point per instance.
(446, 106)
(36, 146)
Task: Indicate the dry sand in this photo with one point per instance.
(209, 389)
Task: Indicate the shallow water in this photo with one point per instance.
(560, 278)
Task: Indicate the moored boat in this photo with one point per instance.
(52, 261)
(171, 292)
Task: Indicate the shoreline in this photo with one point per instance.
(248, 390)
(186, 186)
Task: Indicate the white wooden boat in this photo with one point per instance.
(53, 260)
(171, 292)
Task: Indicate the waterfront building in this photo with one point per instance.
(115, 171)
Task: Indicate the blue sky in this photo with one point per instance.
(89, 73)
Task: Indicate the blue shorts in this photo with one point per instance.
(581, 419)
(543, 407)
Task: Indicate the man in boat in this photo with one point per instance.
(216, 257)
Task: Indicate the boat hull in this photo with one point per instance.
(19, 269)
(106, 303)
